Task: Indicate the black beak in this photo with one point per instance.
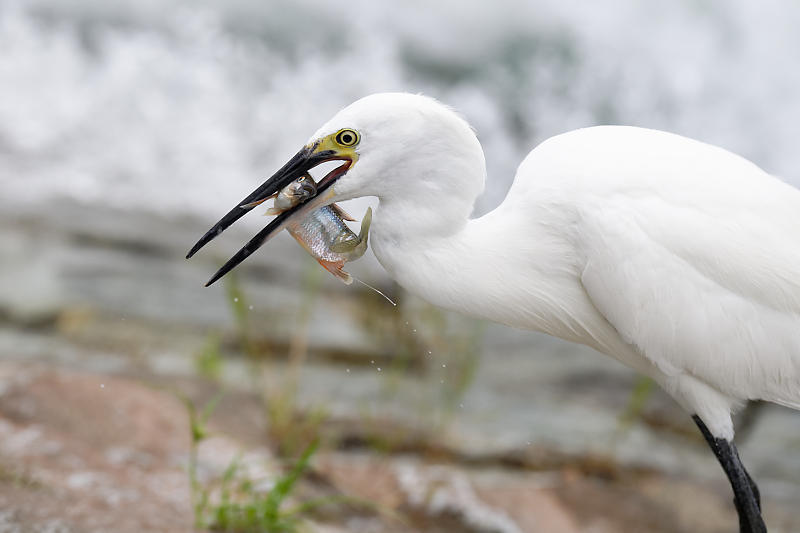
(298, 165)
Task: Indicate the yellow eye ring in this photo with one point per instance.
(347, 137)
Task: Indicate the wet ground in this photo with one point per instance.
(442, 423)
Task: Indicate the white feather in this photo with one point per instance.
(680, 259)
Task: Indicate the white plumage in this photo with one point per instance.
(678, 258)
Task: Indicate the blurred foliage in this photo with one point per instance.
(233, 504)
(290, 427)
(243, 509)
(237, 302)
(198, 430)
(208, 361)
(454, 349)
(440, 348)
(642, 390)
(389, 331)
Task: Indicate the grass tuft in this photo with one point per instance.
(198, 429)
(233, 504)
(241, 509)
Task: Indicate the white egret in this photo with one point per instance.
(677, 258)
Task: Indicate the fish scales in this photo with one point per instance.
(319, 230)
(323, 232)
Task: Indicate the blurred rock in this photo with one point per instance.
(509, 413)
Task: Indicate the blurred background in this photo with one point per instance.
(134, 399)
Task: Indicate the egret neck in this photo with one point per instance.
(464, 264)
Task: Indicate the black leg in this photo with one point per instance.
(753, 486)
(746, 497)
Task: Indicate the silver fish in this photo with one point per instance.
(294, 193)
(327, 238)
(323, 233)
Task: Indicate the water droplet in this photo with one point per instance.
(441, 381)
(102, 385)
(444, 365)
(348, 370)
(461, 405)
(236, 299)
(250, 307)
(379, 369)
(372, 362)
(414, 330)
(429, 352)
(528, 443)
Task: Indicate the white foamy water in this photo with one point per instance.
(187, 106)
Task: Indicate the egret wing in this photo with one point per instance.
(710, 292)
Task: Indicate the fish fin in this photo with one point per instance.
(335, 268)
(257, 202)
(354, 247)
(342, 213)
(366, 222)
(273, 211)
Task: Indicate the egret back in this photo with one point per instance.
(689, 251)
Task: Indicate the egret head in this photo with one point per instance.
(403, 142)
(402, 148)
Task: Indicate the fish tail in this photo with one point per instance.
(352, 245)
(336, 268)
(363, 235)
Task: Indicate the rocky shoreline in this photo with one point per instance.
(449, 425)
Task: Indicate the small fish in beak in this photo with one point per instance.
(294, 193)
(338, 146)
(323, 233)
(326, 237)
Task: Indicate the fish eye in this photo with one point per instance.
(347, 137)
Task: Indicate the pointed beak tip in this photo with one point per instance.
(294, 168)
(213, 279)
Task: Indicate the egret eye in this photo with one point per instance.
(347, 137)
